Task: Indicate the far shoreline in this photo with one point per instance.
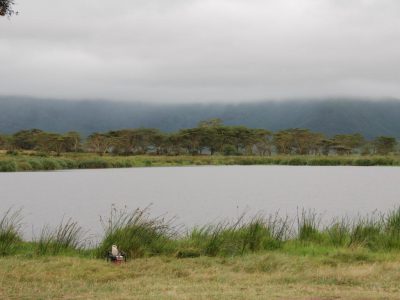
(25, 162)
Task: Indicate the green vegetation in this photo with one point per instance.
(37, 162)
(10, 234)
(248, 258)
(316, 274)
(210, 137)
(210, 143)
(139, 234)
(67, 236)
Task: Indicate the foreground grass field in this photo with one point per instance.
(341, 274)
(37, 162)
(256, 258)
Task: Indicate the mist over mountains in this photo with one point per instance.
(370, 118)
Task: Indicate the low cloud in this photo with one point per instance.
(208, 50)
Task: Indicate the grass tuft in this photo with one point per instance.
(136, 233)
(67, 236)
(10, 231)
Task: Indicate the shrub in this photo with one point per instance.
(8, 166)
(96, 163)
(324, 162)
(36, 164)
(297, 161)
(24, 166)
(188, 253)
(12, 152)
(49, 164)
(229, 150)
(69, 164)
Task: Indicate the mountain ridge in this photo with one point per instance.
(330, 116)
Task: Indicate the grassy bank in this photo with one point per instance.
(338, 275)
(37, 162)
(257, 257)
(139, 234)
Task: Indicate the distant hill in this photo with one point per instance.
(371, 118)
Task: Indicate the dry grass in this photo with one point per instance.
(263, 276)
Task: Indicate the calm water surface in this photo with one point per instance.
(197, 195)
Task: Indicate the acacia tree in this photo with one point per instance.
(347, 143)
(99, 142)
(2, 141)
(6, 7)
(72, 141)
(263, 141)
(26, 139)
(384, 145)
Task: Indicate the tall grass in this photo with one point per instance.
(338, 232)
(308, 223)
(368, 232)
(237, 238)
(67, 236)
(137, 233)
(10, 231)
(392, 228)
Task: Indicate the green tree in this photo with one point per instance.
(26, 139)
(191, 140)
(2, 141)
(100, 142)
(384, 145)
(50, 142)
(72, 141)
(347, 143)
(261, 141)
(282, 141)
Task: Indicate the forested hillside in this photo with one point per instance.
(370, 118)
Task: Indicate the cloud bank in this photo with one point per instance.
(201, 50)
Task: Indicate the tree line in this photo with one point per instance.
(208, 138)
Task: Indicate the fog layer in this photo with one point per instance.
(205, 50)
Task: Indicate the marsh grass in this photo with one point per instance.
(10, 231)
(392, 229)
(67, 236)
(308, 226)
(368, 232)
(338, 232)
(137, 233)
(258, 233)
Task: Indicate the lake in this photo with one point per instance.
(198, 195)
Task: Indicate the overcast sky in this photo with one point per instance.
(205, 50)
